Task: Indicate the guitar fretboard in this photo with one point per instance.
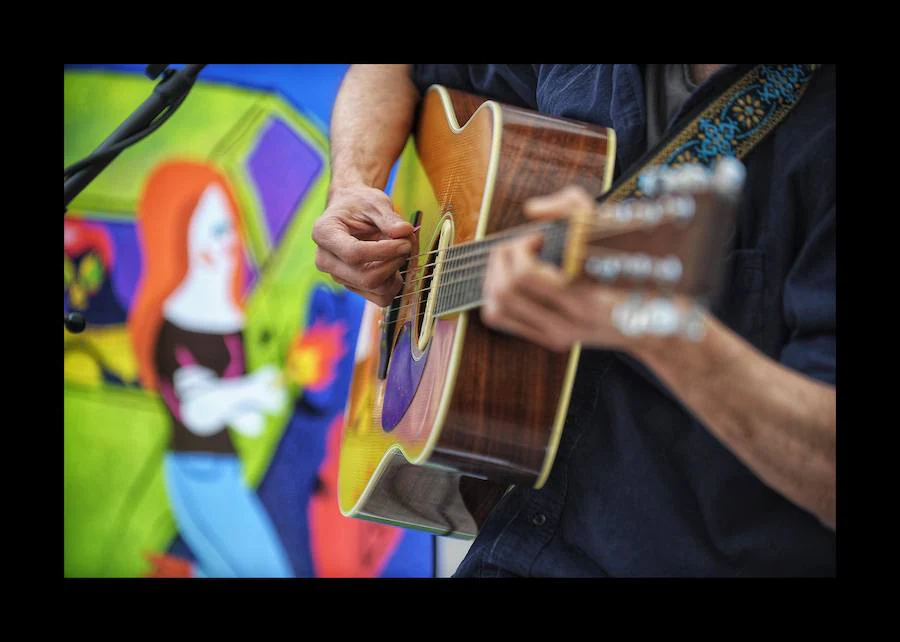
(464, 266)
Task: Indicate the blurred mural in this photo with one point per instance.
(204, 403)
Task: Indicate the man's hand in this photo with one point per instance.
(780, 423)
(362, 243)
(530, 298)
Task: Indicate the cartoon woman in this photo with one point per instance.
(186, 327)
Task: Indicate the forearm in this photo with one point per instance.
(370, 123)
(781, 424)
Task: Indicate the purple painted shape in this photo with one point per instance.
(184, 357)
(236, 355)
(283, 166)
(403, 377)
(250, 273)
(126, 262)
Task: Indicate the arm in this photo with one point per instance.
(208, 404)
(371, 121)
(779, 422)
(361, 241)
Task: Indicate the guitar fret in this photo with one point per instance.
(465, 266)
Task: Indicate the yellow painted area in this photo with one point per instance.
(85, 352)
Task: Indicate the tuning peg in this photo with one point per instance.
(650, 181)
(637, 266)
(728, 176)
(659, 317)
(625, 210)
(680, 207)
(688, 178)
(627, 318)
(667, 270)
(651, 212)
(604, 268)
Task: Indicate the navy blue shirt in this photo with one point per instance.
(639, 487)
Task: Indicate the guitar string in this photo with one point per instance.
(607, 214)
(476, 266)
(442, 284)
(475, 248)
(593, 236)
(475, 244)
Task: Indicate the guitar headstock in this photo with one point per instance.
(671, 241)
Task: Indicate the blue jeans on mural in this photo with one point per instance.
(221, 518)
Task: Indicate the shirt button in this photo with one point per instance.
(539, 519)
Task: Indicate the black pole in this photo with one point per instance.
(169, 91)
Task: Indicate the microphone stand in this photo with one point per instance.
(149, 116)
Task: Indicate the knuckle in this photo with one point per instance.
(518, 279)
(353, 255)
(574, 192)
(503, 296)
(317, 231)
(370, 280)
(490, 314)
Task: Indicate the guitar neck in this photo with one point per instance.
(464, 266)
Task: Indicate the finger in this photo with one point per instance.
(338, 241)
(548, 286)
(374, 277)
(513, 266)
(560, 204)
(523, 261)
(382, 298)
(389, 222)
(334, 237)
(515, 323)
(535, 313)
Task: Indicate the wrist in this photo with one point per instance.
(355, 177)
(339, 184)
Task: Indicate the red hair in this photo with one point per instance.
(164, 213)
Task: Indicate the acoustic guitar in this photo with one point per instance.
(445, 414)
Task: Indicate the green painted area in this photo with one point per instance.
(97, 102)
(115, 503)
(116, 509)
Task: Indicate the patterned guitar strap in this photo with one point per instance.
(732, 124)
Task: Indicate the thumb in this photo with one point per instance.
(390, 223)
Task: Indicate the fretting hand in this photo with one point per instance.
(530, 298)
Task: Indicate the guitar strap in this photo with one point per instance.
(731, 124)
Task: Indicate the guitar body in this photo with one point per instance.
(461, 412)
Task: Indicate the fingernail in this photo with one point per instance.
(416, 228)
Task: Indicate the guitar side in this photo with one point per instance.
(476, 410)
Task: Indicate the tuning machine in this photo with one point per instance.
(658, 316)
(726, 177)
(665, 271)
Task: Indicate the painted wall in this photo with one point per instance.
(204, 403)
